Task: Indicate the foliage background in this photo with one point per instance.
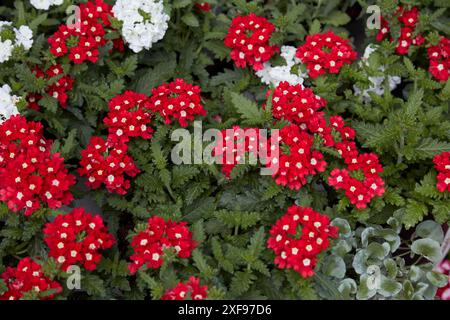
(231, 218)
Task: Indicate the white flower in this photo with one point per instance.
(45, 4)
(7, 103)
(140, 31)
(275, 75)
(23, 37)
(376, 82)
(5, 50)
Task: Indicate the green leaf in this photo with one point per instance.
(257, 243)
(93, 285)
(343, 225)
(315, 27)
(427, 248)
(181, 3)
(3, 287)
(198, 231)
(437, 279)
(429, 147)
(347, 287)
(364, 293)
(430, 229)
(337, 18)
(241, 283)
(413, 213)
(69, 144)
(190, 20)
(37, 21)
(249, 111)
(389, 287)
(378, 251)
(391, 268)
(413, 104)
(201, 264)
(49, 103)
(334, 266)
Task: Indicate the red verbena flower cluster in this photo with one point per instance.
(203, 6)
(76, 238)
(25, 278)
(442, 165)
(149, 245)
(248, 37)
(360, 193)
(57, 90)
(408, 21)
(325, 52)
(127, 117)
(295, 103)
(300, 252)
(237, 145)
(177, 100)
(439, 56)
(301, 106)
(444, 292)
(191, 289)
(384, 30)
(107, 163)
(293, 167)
(82, 40)
(298, 160)
(30, 175)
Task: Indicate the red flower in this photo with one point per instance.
(28, 276)
(203, 6)
(419, 40)
(239, 144)
(325, 52)
(89, 36)
(177, 100)
(248, 37)
(119, 45)
(444, 292)
(300, 253)
(32, 99)
(295, 103)
(77, 55)
(29, 174)
(107, 163)
(403, 45)
(408, 22)
(149, 245)
(76, 238)
(292, 169)
(384, 30)
(442, 165)
(439, 56)
(360, 193)
(191, 289)
(57, 90)
(409, 18)
(128, 117)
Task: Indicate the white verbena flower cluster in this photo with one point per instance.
(376, 82)
(45, 4)
(7, 103)
(144, 22)
(274, 75)
(23, 37)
